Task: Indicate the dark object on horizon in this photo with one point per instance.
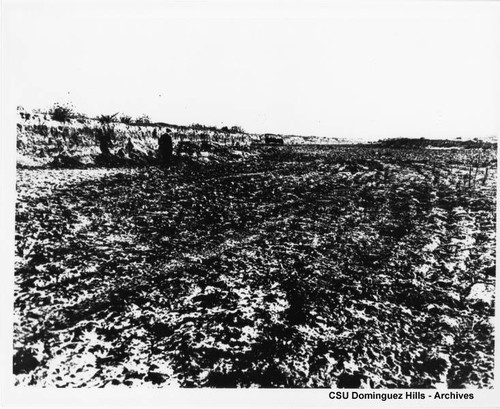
(271, 139)
(422, 143)
(165, 149)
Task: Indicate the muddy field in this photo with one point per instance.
(296, 267)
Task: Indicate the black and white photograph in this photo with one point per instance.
(251, 196)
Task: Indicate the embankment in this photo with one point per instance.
(45, 142)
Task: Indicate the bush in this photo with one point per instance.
(143, 119)
(237, 129)
(62, 113)
(106, 119)
(126, 119)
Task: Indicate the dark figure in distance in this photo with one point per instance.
(104, 135)
(165, 149)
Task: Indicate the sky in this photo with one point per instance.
(341, 69)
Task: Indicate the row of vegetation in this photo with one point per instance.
(66, 113)
(412, 143)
